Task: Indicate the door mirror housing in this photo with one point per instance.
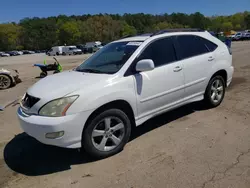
(145, 65)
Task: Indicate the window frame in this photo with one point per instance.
(202, 38)
(131, 69)
(178, 46)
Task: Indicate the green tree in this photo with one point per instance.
(128, 29)
(9, 36)
(69, 33)
(247, 21)
(227, 26)
(42, 33)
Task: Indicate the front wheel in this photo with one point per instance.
(215, 91)
(106, 134)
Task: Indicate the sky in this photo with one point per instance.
(15, 10)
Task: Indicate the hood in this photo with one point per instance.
(61, 84)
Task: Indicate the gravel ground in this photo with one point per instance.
(189, 147)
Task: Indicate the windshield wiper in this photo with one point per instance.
(91, 71)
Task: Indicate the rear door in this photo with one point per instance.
(196, 54)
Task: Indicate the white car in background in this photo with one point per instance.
(3, 54)
(20, 52)
(56, 50)
(71, 50)
(123, 84)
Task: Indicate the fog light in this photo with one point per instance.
(54, 135)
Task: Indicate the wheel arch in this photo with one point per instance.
(117, 104)
(222, 73)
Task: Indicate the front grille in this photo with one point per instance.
(29, 101)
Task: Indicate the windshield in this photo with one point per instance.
(72, 48)
(110, 58)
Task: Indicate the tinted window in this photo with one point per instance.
(161, 52)
(210, 45)
(189, 46)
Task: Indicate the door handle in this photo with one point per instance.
(177, 69)
(210, 58)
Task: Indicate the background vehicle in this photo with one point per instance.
(71, 50)
(82, 48)
(91, 47)
(13, 53)
(56, 50)
(3, 54)
(237, 36)
(28, 52)
(8, 78)
(123, 84)
(20, 52)
(246, 36)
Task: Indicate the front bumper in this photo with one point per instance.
(38, 126)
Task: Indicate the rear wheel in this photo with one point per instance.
(106, 134)
(5, 81)
(215, 91)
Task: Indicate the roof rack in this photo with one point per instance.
(137, 35)
(126, 36)
(177, 30)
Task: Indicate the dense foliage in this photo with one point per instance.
(42, 33)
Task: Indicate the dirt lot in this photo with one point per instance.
(189, 147)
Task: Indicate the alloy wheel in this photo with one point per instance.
(5, 82)
(217, 91)
(108, 133)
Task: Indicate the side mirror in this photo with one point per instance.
(145, 65)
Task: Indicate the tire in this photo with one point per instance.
(214, 94)
(5, 81)
(43, 74)
(92, 144)
(56, 71)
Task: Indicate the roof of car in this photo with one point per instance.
(166, 32)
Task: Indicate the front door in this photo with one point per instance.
(162, 87)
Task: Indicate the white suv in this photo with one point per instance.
(123, 84)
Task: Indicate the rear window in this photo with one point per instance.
(210, 45)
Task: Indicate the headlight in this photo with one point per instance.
(58, 107)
